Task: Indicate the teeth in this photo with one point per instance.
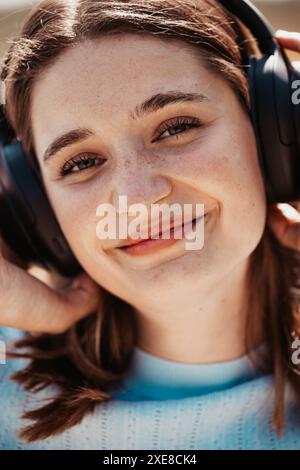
(194, 222)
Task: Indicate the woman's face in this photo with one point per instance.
(142, 152)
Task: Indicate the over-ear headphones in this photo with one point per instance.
(275, 115)
(27, 222)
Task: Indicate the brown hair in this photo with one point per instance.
(94, 354)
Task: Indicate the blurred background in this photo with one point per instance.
(282, 14)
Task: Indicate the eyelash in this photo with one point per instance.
(66, 169)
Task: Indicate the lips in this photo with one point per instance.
(129, 241)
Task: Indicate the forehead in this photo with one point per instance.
(112, 69)
(105, 78)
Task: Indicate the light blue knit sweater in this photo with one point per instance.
(164, 405)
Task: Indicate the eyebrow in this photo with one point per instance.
(156, 102)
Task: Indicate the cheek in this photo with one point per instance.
(74, 210)
(244, 190)
(225, 170)
(244, 200)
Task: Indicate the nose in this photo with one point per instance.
(141, 185)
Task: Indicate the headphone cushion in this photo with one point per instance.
(271, 112)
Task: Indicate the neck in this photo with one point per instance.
(204, 328)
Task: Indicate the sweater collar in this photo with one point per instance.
(152, 377)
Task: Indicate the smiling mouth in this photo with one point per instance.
(150, 245)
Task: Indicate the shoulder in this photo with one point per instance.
(11, 395)
(8, 365)
(236, 418)
(14, 400)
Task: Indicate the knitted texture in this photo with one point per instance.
(238, 417)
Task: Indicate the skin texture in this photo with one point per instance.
(37, 301)
(189, 304)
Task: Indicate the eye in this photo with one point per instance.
(80, 163)
(172, 126)
(86, 161)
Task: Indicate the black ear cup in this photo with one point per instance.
(295, 78)
(256, 120)
(275, 117)
(274, 121)
(27, 222)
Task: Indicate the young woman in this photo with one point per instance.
(166, 348)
